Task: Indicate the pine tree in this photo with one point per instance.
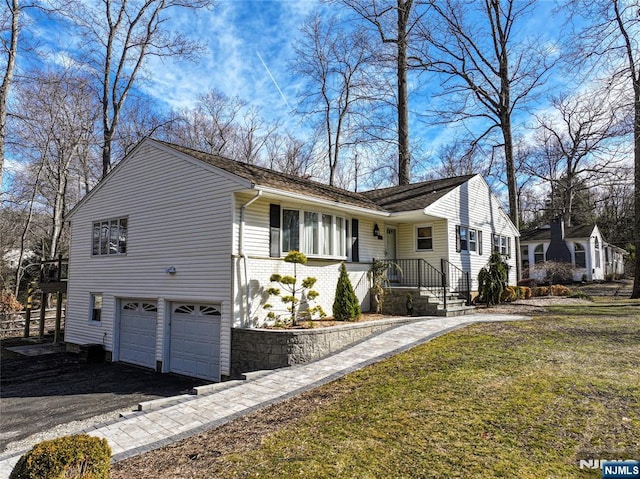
(346, 306)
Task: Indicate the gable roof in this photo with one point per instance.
(543, 233)
(411, 197)
(416, 196)
(260, 176)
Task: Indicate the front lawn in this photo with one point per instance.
(527, 400)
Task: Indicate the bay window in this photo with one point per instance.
(318, 234)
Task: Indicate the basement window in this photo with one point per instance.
(96, 307)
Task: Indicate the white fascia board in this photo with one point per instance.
(277, 193)
(415, 215)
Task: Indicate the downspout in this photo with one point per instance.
(241, 251)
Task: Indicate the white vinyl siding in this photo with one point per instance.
(473, 205)
(199, 209)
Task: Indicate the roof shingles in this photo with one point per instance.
(411, 197)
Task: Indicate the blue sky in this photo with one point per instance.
(249, 44)
(237, 35)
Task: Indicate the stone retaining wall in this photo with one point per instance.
(258, 349)
(395, 302)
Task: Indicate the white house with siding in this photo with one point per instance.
(175, 247)
(582, 246)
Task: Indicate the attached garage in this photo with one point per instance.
(195, 340)
(138, 319)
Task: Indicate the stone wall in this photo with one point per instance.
(258, 349)
(395, 302)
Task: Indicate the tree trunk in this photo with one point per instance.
(6, 81)
(58, 213)
(404, 158)
(636, 161)
(106, 154)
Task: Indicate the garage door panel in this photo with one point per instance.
(195, 341)
(138, 321)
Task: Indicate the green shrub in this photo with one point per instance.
(346, 306)
(68, 457)
(492, 280)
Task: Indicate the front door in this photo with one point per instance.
(390, 254)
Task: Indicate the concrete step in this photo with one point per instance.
(456, 311)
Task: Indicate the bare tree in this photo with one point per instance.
(9, 21)
(290, 155)
(141, 119)
(459, 158)
(579, 141)
(120, 36)
(334, 64)
(55, 129)
(609, 41)
(394, 22)
(223, 126)
(488, 73)
(486, 70)
(252, 134)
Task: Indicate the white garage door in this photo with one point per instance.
(195, 340)
(138, 332)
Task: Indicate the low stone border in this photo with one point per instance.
(258, 349)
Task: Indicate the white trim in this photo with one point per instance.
(312, 199)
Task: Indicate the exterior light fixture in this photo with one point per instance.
(376, 231)
(170, 270)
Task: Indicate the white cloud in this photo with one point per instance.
(234, 33)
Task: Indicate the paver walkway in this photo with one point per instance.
(148, 430)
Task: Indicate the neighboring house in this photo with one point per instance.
(175, 247)
(582, 246)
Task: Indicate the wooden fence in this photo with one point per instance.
(12, 324)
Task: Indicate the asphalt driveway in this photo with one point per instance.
(40, 392)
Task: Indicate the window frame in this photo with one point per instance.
(468, 239)
(418, 238)
(501, 244)
(107, 238)
(312, 221)
(582, 252)
(95, 311)
(536, 252)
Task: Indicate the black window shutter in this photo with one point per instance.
(274, 231)
(458, 238)
(480, 242)
(355, 248)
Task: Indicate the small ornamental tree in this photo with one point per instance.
(295, 291)
(346, 306)
(492, 279)
(378, 277)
